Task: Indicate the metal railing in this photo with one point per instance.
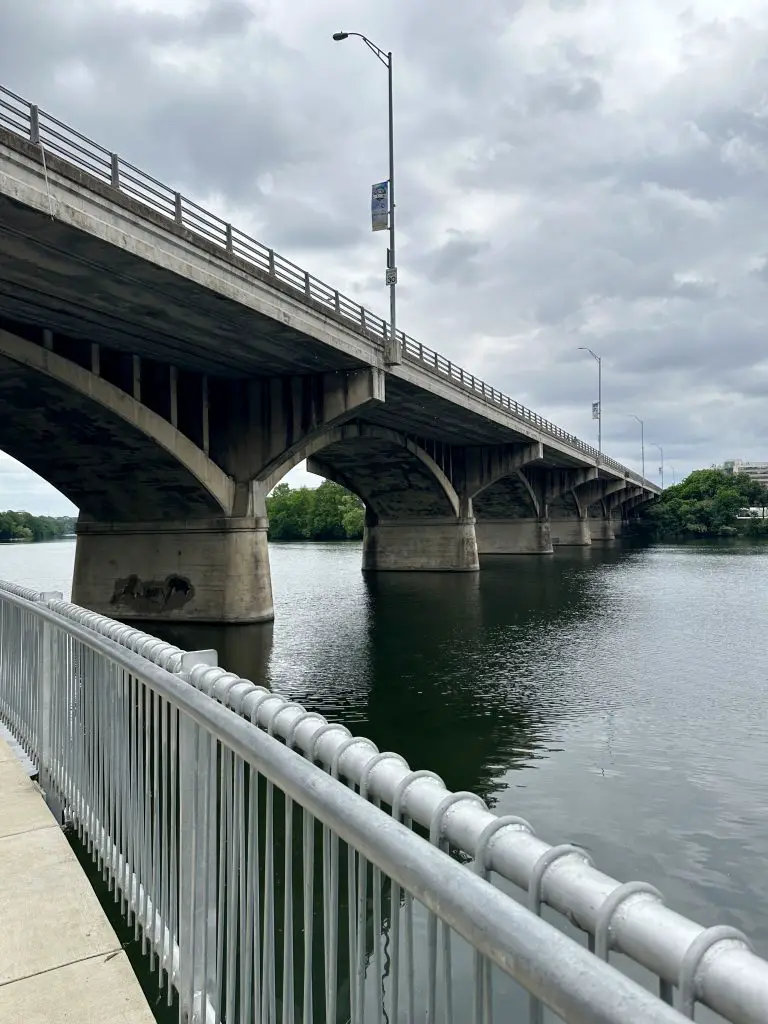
(712, 966)
(25, 119)
(264, 888)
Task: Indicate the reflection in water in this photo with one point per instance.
(244, 650)
(613, 696)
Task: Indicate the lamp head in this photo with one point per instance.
(338, 36)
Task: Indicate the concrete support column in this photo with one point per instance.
(209, 570)
(571, 532)
(513, 537)
(421, 545)
(602, 529)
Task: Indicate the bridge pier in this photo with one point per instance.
(209, 570)
(526, 536)
(573, 532)
(421, 545)
(602, 528)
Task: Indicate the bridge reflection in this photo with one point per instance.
(464, 674)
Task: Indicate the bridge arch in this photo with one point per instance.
(508, 497)
(389, 471)
(113, 457)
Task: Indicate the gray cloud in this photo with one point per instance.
(565, 177)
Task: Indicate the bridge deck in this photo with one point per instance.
(59, 957)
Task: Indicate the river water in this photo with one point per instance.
(614, 696)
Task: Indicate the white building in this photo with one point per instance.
(755, 470)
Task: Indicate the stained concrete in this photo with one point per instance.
(421, 545)
(570, 532)
(601, 529)
(60, 960)
(195, 571)
(523, 536)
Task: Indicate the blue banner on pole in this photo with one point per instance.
(380, 206)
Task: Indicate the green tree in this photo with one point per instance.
(706, 504)
(22, 526)
(328, 512)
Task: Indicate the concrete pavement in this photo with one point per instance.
(60, 960)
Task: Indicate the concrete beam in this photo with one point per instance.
(273, 424)
(597, 490)
(484, 466)
(551, 484)
(107, 215)
(157, 430)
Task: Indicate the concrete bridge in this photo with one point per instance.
(164, 371)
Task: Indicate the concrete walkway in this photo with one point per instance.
(60, 960)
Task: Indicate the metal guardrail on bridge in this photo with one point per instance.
(53, 136)
(712, 966)
(265, 888)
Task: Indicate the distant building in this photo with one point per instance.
(755, 470)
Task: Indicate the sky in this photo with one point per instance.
(569, 173)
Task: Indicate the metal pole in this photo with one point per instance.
(642, 440)
(599, 405)
(661, 468)
(642, 446)
(393, 356)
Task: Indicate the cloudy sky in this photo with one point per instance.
(570, 172)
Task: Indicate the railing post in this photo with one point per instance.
(177, 207)
(45, 707)
(336, 303)
(114, 162)
(228, 242)
(197, 845)
(307, 288)
(34, 124)
(271, 262)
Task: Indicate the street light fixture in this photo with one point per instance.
(661, 468)
(392, 353)
(598, 359)
(642, 438)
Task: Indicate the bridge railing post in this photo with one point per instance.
(197, 845)
(45, 706)
(34, 124)
(114, 163)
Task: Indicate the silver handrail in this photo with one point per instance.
(178, 801)
(628, 918)
(28, 121)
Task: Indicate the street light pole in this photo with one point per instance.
(661, 450)
(598, 359)
(642, 440)
(392, 350)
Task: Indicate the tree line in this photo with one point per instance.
(707, 504)
(25, 526)
(327, 512)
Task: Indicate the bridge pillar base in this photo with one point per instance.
(602, 529)
(571, 532)
(513, 537)
(421, 545)
(213, 570)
